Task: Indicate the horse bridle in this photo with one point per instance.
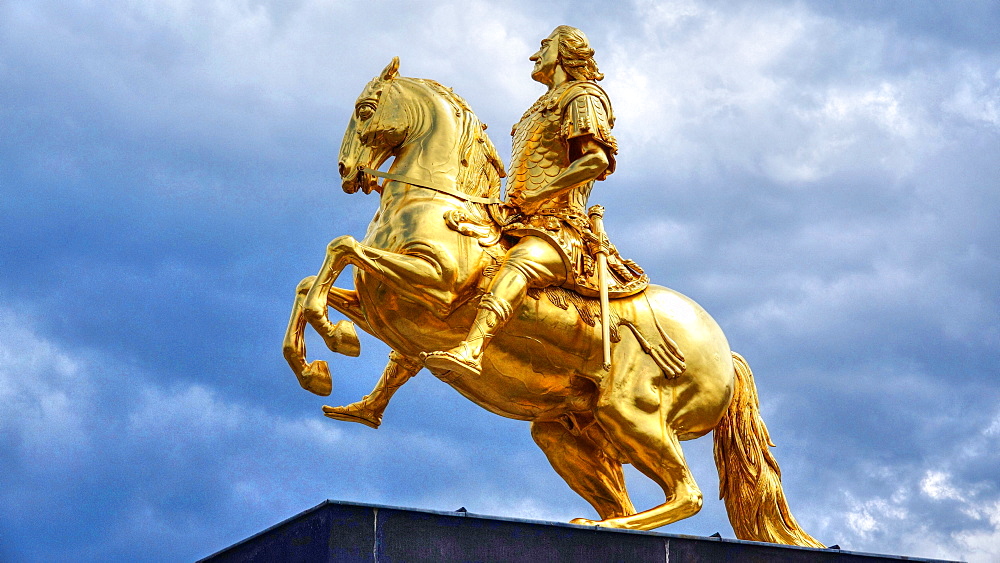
(447, 191)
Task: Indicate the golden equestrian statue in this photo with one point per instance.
(525, 308)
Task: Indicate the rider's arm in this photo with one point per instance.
(590, 162)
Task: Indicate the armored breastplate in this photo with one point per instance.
(540, 153)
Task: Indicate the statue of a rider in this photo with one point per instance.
(442, 238)
(562, 145)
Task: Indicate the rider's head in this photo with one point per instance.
(575, 55)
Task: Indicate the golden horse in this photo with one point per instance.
(419, 271)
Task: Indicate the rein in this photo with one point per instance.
(446, 191)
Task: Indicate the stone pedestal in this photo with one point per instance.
(340, 531)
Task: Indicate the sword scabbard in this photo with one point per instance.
(596, 214)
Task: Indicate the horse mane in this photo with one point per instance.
(482, 168)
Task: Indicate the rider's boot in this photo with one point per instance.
(368, 410)
(466, 358)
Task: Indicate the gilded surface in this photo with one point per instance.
(472, 292)
(540, 139)
(541, 152)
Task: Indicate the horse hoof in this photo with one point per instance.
(343, 339)
(316, 378)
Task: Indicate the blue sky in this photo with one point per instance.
(822, 176)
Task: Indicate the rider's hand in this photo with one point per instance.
(529, 207)
(527, 201)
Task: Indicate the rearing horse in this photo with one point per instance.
(419, 270)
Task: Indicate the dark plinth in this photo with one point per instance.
(340, 531)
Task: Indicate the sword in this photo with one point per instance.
(596, 213)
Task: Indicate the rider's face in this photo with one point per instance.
(546, 60)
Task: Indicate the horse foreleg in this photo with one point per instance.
(313, 376)
(341, 337)
(368, 411)
(320, 294)
(422, 274)
(585, 467)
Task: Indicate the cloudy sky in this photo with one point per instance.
(823, 177)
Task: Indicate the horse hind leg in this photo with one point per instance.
(585, 467)
(630, 410)
(662, 460)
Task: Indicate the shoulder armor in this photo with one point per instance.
(591, 90)
(587, 111)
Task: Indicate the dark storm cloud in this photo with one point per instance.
(822, 177)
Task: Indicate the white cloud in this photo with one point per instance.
(994, 427)
(194, 410)
(936, 484)
(775, 91)
(867, 517)
(44, 394)
(928, 512)
(982, 545)
(976, 97)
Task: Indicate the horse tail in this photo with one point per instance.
(749, 477)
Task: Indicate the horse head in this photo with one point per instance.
(376, 130)
(427, 127)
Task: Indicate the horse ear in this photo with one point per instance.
(391, 70)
